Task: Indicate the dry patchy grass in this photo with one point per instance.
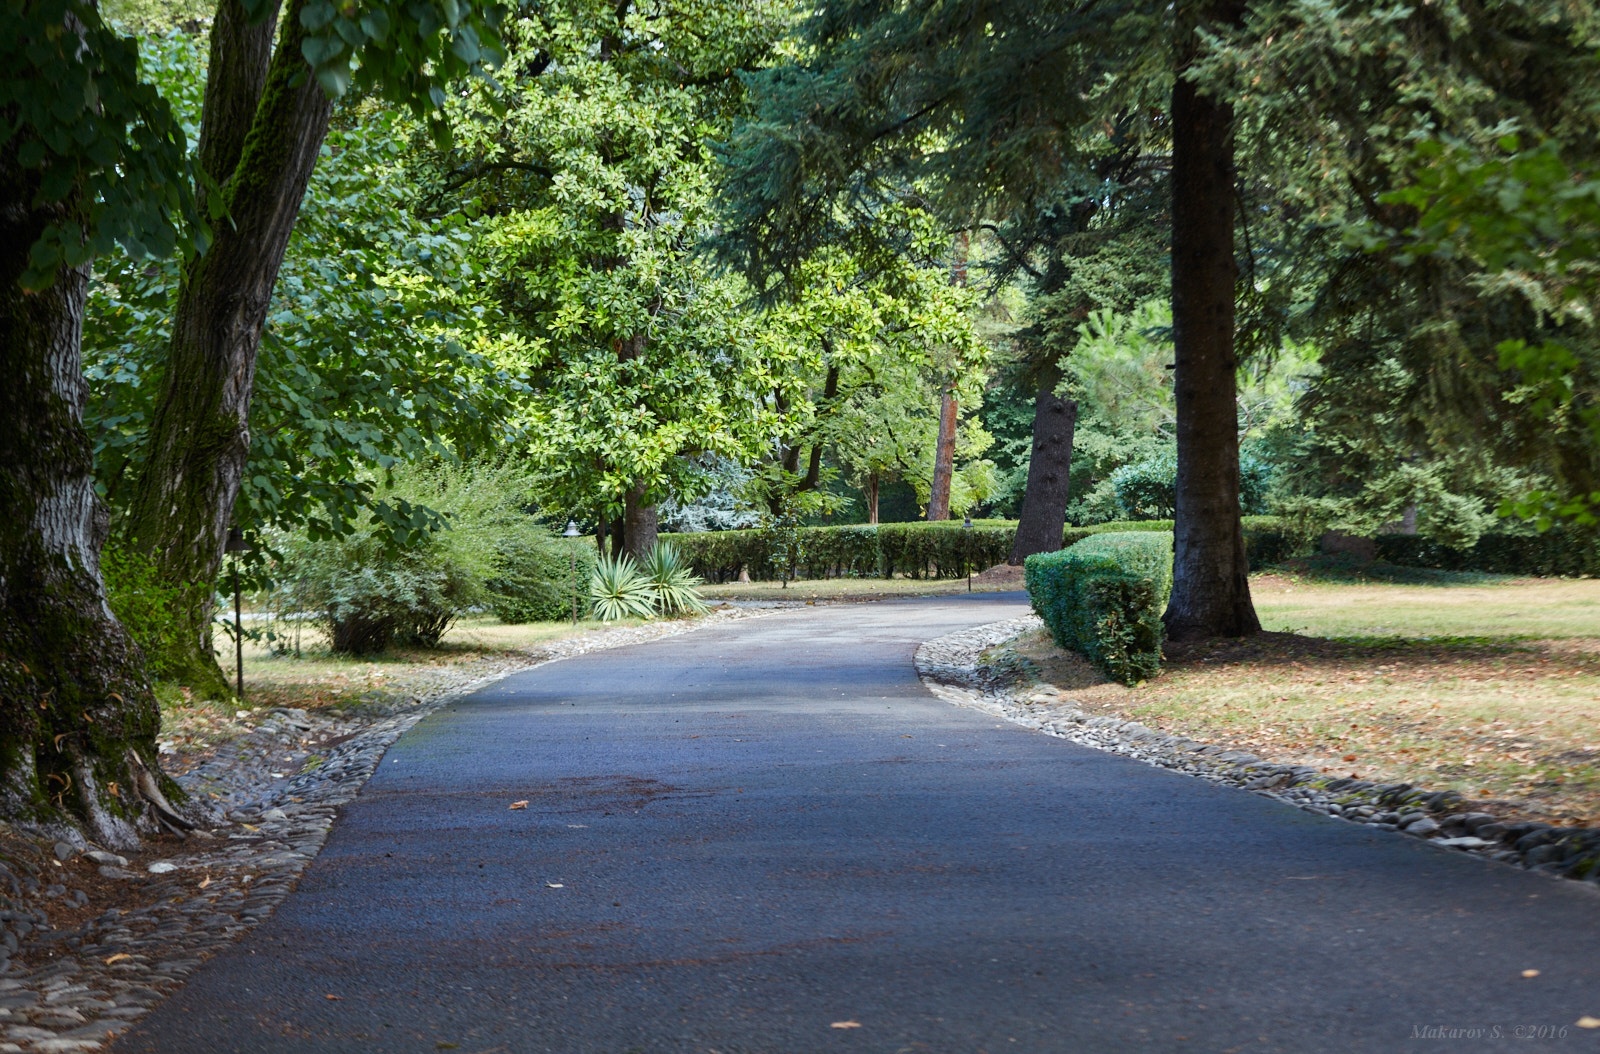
(1492, 690)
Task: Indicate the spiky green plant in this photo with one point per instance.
(672, 582)
(619, 591)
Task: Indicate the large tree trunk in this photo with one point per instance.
(263, 125)
(1211, 585)
(944, 456)
(1044, 501)
(639, 527)
(78, 720)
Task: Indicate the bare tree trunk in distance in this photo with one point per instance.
(263, 124)
(872, 497)
(1044, 501)
(1211, 585)
(944, 452)
(944, 456)
(78, 719)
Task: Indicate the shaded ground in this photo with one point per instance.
(741, 840)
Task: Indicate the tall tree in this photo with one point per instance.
(1001, 111)
(1210, 572)
(265, 117)
(91, 157)
(593, 169)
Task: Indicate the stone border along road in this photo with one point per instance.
(965, 669)
(112, 970)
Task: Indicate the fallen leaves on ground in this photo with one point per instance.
(518, 805)
(1507, 721)
(118, 958)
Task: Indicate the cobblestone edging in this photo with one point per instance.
(68, 991)
(971, 669)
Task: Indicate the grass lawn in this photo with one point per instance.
(1488, 686)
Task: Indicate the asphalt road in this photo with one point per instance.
(737, 838)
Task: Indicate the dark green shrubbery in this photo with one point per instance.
(1148, 489)
(1564, 551)
(918, 550)
(943, 549)
(534, 577)
(1103, 599)
(366, 593)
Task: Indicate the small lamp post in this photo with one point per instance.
(570, 533)
(966, 549)
(236, 545)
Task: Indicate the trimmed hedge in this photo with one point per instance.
(1103, 599)
(1561, 552)
(942, 549)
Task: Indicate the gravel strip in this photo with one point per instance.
(973, 669)
(64, 990)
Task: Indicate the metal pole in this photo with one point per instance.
(238, 631)
(571, 551)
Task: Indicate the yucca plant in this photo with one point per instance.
(671, 581)
(619, 591)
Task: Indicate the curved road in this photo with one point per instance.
(739, 837)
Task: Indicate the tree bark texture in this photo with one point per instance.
(944, 456)
(263, 133)
(1044, 501)
(639, 526)
(1211, 585)
(872, 497)
(78, 719)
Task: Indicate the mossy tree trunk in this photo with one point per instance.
(1210, 573)
(1044, 501)
(78, 719)
(264, 121)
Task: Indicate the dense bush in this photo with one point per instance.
(1103, 598)
(1147, 490)
(943, 549)
(1564, 551)
(919, 549)
(367, 593)
(534, 577)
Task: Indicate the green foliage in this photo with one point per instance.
(1566, 550)
(406, 50)
(618, 590)
(781, 537)
(142, 603)
(1147, 490)
(672, 582)
(591, 165)
(92, 135)
(917, 549)
(367, 591)
(944, 549)
(375, 350)
(1103, 598)
(535, 581)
